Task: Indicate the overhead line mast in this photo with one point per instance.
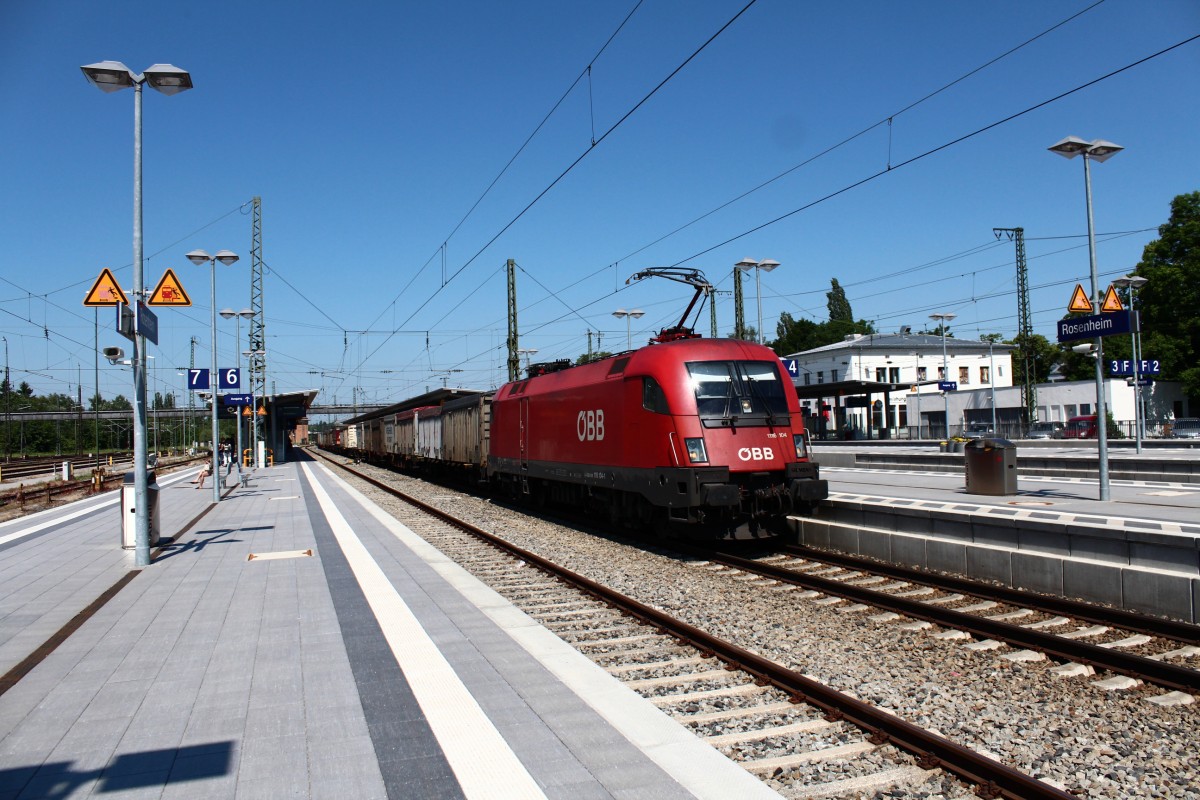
(258, 339)
(1024, 324)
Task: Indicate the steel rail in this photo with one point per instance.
(1158, 672)
(1159, 626)
(992, 778)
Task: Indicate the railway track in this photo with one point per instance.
(782, 725)
(1085, 637)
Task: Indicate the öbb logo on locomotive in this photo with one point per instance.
(590, 425)
(756, 454)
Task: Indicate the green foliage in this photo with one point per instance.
(796, 335)
(588, 359)
(1170, 300)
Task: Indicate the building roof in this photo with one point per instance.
(902, 343)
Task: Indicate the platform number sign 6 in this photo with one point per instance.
(229, 378)
(589, 425)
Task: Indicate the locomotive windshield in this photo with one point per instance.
(739, 389)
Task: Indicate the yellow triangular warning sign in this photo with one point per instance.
(169, 292)
(1111, 301)
(1079, 300)
(105, 292)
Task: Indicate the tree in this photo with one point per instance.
(1044, 354)
(795, 335)
(1170, 300)
(589, 358)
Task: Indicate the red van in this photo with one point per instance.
(1081, 427)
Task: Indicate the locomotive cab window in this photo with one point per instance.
(653, 398)
(738, 389)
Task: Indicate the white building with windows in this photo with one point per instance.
(861, 376)
(901, 366)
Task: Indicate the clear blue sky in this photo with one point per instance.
(371, 129)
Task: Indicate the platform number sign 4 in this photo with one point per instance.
(198, 380)
(792, 366)
(229, 378)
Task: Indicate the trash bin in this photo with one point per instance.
(129, 509)
(991, 466)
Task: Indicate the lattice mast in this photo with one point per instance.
(514, 358)
(1024, 323)
(258, 338)
(739, 313)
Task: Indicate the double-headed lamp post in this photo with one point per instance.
(943, 319)
(245, 313)
(226, 257)
(766, 265)
(527, 352)
(1101, 151)
(1133, 283)
(636, 313)
(254, 409)
(108, 77)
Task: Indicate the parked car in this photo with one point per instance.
(976, 430)
(1186, 428)
(1081, 427)
(1046, 430)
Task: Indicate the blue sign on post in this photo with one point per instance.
(229, 378)
(198, 380)
(1148, 366)
(791, 365)
(948, 386)
(238, 399)
(1090, 327)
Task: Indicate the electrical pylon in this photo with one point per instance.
(1024, 323)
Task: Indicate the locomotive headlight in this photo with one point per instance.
(695, 450)
(801, 445)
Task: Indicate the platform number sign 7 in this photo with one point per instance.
(198, 380)
(229, 378)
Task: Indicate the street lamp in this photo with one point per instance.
(990, 338)
(226, 257)
(766, 265)
(1101, 151)
(943, 319)
(108, 77)
(636, 313)
(254, 410)
(245, 313)
(527, 352)
(1133, 283)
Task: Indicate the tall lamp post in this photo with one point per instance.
(527, 352)
(636, 313)
(1133, 283)
(245, 313)
(1101, 151)
(226, 257)
(108, 77)
(943, 319)
(253, 355)
(766, 265)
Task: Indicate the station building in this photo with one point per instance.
(887, 386)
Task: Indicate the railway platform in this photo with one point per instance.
(296, 641)
(1138, 550)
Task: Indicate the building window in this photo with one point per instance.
(921, 373)
(833, 376)
(894, 374)
(820, 377)
(964, 375)
(984, 375)
(941, 373)
(880, 374)
(807, 378)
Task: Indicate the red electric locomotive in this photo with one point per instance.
(697, 432)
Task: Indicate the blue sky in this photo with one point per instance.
(370, 132)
